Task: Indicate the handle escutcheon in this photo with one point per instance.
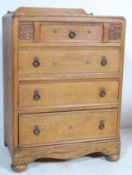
(36, 62)
(72, 34)
(103, 61)
(36, 96)
(36, 130)
(101, 124)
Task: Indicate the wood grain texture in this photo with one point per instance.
(66, 44)
(29, 11)
(121, 75)
(70, 104)
(66, 151)
(81, 19)
(62, 108)
(68, 60)
(15, 82)
(36, 129)
(50, 32)
(67, 93)
(67, 77)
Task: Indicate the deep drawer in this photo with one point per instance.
(68, 61)
(66, 127)
(65, 94)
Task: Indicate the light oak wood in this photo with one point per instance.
(56, 94)
(18, 168)
(67, 77)
(69, 60)
(67, 44)
(66, 151)
(61, 108)
(81, 19)
(43, 129)
(113, 158)
(29, 11)
(50, 32)
(71, 92)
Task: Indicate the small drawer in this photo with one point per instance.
(44, 32)
(65, 94)
(49, 128)
(70, 32)
(59, 32)
(40, 62)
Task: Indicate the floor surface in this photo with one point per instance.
(80, 166)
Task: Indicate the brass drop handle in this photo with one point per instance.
(102, 93)
(36, 96)
(36, 130)
(72, 34)
(101, 124)
(103, 61)
(36, 62)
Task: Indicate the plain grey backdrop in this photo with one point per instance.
(98, 7)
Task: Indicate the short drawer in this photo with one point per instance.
(68, 61)
(66, 94)
(70, 32)
(37, 129)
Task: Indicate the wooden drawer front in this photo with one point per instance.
(70, 32)
(49, 128)
(52, 32)
(59, 94)
(69, 60)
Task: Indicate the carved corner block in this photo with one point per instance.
(26, 31)
(115, 31)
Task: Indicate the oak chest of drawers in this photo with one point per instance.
(62, 84)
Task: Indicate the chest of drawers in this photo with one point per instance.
(62, 84)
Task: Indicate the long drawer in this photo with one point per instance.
(68, 61)
(63, 94)
(47, 128)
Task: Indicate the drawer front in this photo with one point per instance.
(70, 32)
(68, 60)
(58, 94)
(52, 32)
(66, 127)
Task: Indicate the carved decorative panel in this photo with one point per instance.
(115, 31)
(26, 31)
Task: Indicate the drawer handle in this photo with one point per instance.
(36, 95)
(72, 35)
(89, 31)
(36, 130)
(101, 124)
(102, 93)
(103, 61)
(36, 62)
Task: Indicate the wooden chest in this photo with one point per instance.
(62, 84)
